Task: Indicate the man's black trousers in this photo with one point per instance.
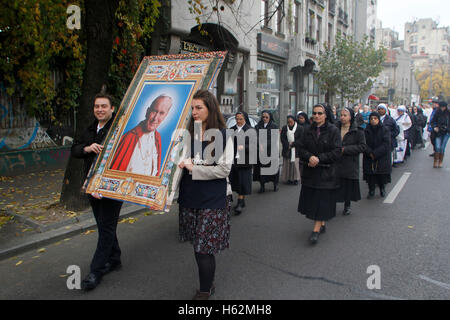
(106, 212)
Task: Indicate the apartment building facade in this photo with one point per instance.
(273, 47)
(427, 42)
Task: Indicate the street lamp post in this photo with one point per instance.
(411, 68)
(431, 79)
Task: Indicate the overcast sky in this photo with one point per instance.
(395, 13)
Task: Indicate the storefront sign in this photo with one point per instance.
(273, 46)
(187, 47)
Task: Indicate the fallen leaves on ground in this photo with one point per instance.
(4, 220)
(128, 220)
(88, 232)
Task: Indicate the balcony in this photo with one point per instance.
(310, 46)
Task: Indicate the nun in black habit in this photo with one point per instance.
(353, 144)
(320, 149)
(266, 123)
(241, 170)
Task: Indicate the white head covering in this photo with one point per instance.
(401, 108)
(383, 106)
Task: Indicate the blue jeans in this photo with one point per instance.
(441, 143)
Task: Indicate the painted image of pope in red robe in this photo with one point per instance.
(139, 150)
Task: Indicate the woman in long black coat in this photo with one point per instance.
(290, 137)
(241, 170)
(320, 149)
(377, 166)
(353, 144)
(268, 124)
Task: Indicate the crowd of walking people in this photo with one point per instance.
(321, 153)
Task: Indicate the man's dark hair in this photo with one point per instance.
(105, 96)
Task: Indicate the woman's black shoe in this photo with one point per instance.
(295, 183)
(371, 194)
(323, 229)
(314, 237)
(275, 187)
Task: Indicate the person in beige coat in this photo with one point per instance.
(205, 195)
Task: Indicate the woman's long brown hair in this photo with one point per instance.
(215, 118)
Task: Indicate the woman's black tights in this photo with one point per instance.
(206, 269)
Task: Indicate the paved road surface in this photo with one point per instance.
(270, 257)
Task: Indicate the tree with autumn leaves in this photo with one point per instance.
(36, 43)
(440, 82)
(349, 67)
(117, 30)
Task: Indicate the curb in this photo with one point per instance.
(38, 240)
(39, 227)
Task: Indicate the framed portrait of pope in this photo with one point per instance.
(145, 143)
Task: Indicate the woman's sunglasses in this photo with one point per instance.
(317, 113)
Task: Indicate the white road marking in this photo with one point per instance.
(438, 283)
(398, 187)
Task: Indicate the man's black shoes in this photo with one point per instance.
(111, 266)
(91, 282)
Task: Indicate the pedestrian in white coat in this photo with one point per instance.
(404, 122)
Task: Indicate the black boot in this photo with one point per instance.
(262, 189)
(371, 192)
(382, 191)
(347, 209)
(240, 206)
(275, 187)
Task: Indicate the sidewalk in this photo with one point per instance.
(30, 216)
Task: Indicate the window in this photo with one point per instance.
(319, 29)
(280, 15)
(297, 18)
(265, 13)
(330, 35)
(311, 23)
